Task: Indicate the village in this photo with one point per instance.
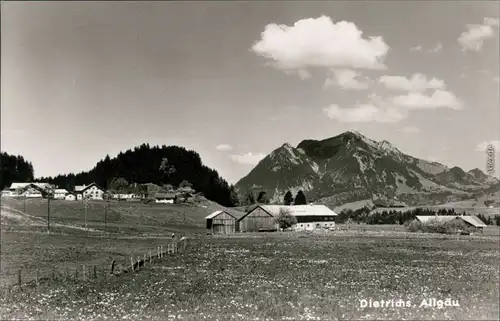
(254, 218)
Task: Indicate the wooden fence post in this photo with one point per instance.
(19, 277)
(132, 264)
(138, 262)
(158, 251)
(95, 272)
(36, 277)
(112, 269)
(84, 272)
(145, 258)
(53, 273)
(76, 274)
(150, 257)
(161, 251)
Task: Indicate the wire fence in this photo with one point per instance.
(103, 271)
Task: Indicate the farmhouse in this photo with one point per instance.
(28, 190)
(60, 193)
(162, 197)
(221, 222)
(70, 196)
(92, 191)
(309, 217)
(459, 222)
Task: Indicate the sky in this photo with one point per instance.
(236, 80)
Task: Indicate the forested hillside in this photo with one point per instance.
(158, 165)
(14, 169)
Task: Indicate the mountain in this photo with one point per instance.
(351, 167)
(158, 165)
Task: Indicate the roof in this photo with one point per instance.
(81, 188)
(24, 185)
(299, 210)
(472, 220)
(60, 190)
(214, 214)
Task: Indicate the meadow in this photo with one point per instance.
(285, 276)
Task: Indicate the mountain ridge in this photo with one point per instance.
(352, 167)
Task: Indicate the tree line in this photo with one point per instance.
(159, 165)
(262, 198)
(362, 215)
(14, 168)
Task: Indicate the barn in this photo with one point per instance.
(309, 217)
(460, 222)
(221, 222)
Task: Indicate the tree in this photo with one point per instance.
(288, 199)
(119, 185)
(285, 219)
(185, 183)
(262, 198)
(166, 169)
(300, 198)
(234, 196)
(250, 200)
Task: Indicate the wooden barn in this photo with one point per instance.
(459, 223)
(221, 222)
(257, 219)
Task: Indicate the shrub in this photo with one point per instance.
(285, 219)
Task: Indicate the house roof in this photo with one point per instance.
(299, 210)
(472, 220)
(81, 188)
(60, 190)
(24, 185)
(214, 214)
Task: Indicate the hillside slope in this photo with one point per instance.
(351, 167)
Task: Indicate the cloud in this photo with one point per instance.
(481, 147)
(319, 42)
(363, 113)
(417, 48)
(248, 158)
(410, 130)
(417, 83)
(346, 79)
(223, 147)
(476, 34)
(438, 99)
(491, 21)
(437, 48)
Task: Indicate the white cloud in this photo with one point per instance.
(363, 113)
(410, 130)
(491, 21)
(347, 79)
(417, 83)
(438, 99)
(474, 37)
(437, 48)
(319, 42)
(417, 48)
(248, 158)
(223, 147)
(481, 147)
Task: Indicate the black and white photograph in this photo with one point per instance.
(250, 160)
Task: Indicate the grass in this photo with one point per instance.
(285, 276)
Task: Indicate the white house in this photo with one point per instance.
(167, 197)
(60, 193)
(70, 197)
(309, 217)
(92, 191)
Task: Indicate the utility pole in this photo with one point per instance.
(48, 213)
(86, 205)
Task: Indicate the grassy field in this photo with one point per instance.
(285, 277)
(123, 217)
